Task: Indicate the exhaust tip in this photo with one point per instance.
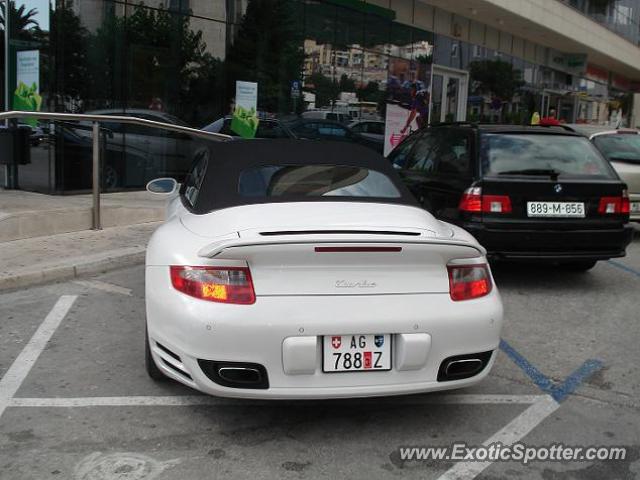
(463, 366)
(235, 374)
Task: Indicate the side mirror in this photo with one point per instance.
(162, 186)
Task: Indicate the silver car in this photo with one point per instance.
(622, 148)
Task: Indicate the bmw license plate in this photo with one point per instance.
(356, 353)
(555, 209)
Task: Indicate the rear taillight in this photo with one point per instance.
(468, 281)
(473, 201)
(614, 205)
(216, 284)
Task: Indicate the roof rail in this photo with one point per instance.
(460, 123)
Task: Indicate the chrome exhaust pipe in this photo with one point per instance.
(240, 375)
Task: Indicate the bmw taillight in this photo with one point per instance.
(472, 200)
(215, 284)
(468, 281)
(615, 205)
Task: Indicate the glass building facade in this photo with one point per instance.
(178, 61)
(620, 16)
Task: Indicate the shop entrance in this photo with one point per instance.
(449, 95)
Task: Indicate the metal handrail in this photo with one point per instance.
(95, 149)
(80, 117)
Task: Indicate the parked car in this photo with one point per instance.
(341, 117)
(330, 130)
(622, 148)
(526, 193)
(267, 128)
(271, 275)
(372, 129)
(164, 153)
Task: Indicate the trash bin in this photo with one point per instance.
(14, 146)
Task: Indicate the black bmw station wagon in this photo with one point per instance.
(526, 193)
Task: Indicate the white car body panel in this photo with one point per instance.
(303, 295)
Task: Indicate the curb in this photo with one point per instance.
(74, 268)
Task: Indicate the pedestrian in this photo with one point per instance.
(419, 107)
(550, 120)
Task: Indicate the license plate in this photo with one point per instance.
(635, 207)
(356, 353)
(555, 209)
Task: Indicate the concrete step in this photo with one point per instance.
(27, 215)
(21, 225)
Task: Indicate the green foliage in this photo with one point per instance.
(346, 84)
(326, 89)
(495, 77)
(22, 22)
(268, 49)
(70, 40)
(370, 93)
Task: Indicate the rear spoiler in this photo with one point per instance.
(215, 248)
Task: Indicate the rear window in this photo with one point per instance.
(315, 181)
(622, 147)
(569, 156)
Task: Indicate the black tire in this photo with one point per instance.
(581, 266)
(149, 363)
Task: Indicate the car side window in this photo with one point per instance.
(267, 129)
(375, 128)
(193, 182)
(453, 151)
(332, 131)
(425, 155)
(359, 128)
(400, 155)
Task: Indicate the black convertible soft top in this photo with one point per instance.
(226, 162)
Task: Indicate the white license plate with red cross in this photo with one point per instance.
(356, 353)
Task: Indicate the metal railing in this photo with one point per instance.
(95, 134)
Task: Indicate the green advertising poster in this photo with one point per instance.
(245, 116)
(27, 94)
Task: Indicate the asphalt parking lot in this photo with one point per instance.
(75, 401)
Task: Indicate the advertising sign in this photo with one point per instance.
(27, 94)
(572, 63)
(245, 116)
(395, 121)
(408, 97)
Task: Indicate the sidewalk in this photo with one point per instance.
(69, 255)
(25, 215)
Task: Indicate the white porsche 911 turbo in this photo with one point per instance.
(298, 269)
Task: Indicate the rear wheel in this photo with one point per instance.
(580, 266)
(149, 363)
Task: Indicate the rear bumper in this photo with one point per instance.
(552, 245)
(194, 330)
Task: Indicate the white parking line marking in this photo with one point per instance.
(189, 400)
(107, 287)
(511, 433)
(21, 366)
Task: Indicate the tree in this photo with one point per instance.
(326, 89)
(21, 21)
(163, 58)
(268, 49)
(370, 93)
(347, 84)
(496, 78)
(69, 42)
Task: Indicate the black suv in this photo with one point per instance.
(526, 193)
